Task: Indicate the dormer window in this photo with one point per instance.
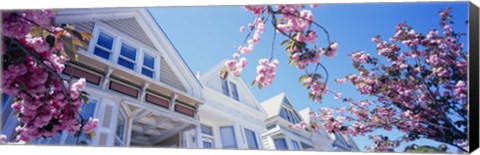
(127, 57)
(289, 115)
(234, 91)
(230, 91)
(125, 52)
(148, 65)
(104, 46)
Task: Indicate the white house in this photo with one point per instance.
(280, 136)
(325, 141)
(140, 88)
(232, 118)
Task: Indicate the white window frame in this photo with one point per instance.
(255, 136)
(124, 141)
(120, 56)
(293, 142)
(207, 137)
(234, 135)
(95, 45)
(120, 38)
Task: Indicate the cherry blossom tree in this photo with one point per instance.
(417, 84)
(34, 55)
(297, 24)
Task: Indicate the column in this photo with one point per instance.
(198, 136)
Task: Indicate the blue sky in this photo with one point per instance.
(204, 36)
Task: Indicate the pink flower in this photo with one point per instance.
(332, 50)
(3, 139)
(90, 126)
(242, 28)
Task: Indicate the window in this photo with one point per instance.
(206, 130)
(126, 52)
(295, 145)
(289, 116)
(228, 137)
(251, 139)
(271, 126)
(234, 91)
(207, 145)
(225, 89)
(207, 136)
(104, 46)
(128, 56)
(148, 65)
(280, 144)
(120, 129)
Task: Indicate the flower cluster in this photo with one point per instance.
(266, 72)
(47, 104)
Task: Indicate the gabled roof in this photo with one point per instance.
(272, 106)
(249, 99)
(305, 114)
(153, 32)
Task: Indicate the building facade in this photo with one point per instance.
(140, 88)
(144, 94)
(281, 116)
(232, 118)
(280, 136)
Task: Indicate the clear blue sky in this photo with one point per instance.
(204, 36)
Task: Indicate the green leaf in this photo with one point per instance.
(36, 31)
(303, 77)
(80, 43)
(253, 82)
(260, 86)
(69, 47)
(284, 42)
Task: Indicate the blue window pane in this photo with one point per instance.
(234, 91)
(251, 139)
(206, 130)
(280, 144)
(102, 53)
(105, 40)
(228, 137)
(126, 63)
(128, 51)
(225, 89)
(295, 145)
(148, 60)
(207, 145)
(147, 72)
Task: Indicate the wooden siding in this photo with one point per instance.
(131, 28)
(167, 76)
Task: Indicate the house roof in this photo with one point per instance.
(272, 106)
(153, 32)
(241, 85)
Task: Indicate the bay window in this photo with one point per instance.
(228, 137)
(251, 139)
(280, 144)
